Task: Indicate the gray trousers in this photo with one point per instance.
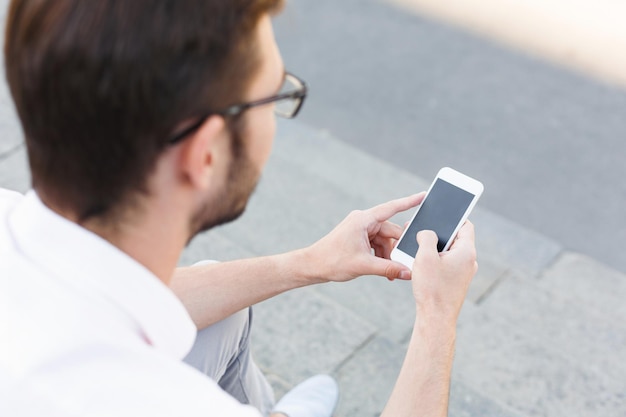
(222, 352)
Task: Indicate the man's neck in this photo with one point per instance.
(152, 238)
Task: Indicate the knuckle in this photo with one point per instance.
(355, 213)
(390, 272)
(470, 260)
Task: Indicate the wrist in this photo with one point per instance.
(437, 308)
(305, 267)
(435, 329)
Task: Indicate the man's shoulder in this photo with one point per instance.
(8, 197)
(114, 380)
(8, 200)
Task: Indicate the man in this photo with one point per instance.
(147, 122)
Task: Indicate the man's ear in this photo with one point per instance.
(199, 151)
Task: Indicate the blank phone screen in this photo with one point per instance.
(441, 212)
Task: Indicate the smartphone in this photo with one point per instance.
(448, 202)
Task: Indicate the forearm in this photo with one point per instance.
(423, 385)
(215, 291)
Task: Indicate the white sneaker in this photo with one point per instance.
(314, 397)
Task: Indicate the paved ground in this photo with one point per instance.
(543, 332)
(548, 143)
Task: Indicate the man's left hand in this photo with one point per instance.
(362, 243)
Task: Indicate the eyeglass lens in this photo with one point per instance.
(288, 106)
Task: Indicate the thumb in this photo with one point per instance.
(427, 241)
(390, 269)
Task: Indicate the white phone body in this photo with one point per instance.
(448, 202)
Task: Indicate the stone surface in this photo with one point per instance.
(10, 129)
(387, 305)
(489, 274)
(368, 378)
(465, 402)
(356, 173)
(10, 135)
(302, 333)
(513, 245)
(529, 375)
(553, 319)
(14, 173)
(589, 283)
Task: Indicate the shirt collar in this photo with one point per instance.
(72, 253)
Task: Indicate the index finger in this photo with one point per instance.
(385, 211)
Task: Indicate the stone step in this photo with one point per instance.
(508, 363)
(14, 172)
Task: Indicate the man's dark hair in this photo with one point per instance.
(100, 85)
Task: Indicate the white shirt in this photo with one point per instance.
(85, 330)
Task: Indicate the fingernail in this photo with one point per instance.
(405, 275)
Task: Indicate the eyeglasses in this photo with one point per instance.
(288, 101)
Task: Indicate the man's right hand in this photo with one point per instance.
(440, 280)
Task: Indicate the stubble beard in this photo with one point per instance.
(232, 200)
